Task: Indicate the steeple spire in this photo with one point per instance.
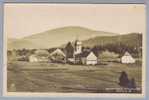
(78, 46)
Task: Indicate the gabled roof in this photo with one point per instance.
(127, 54)
(91, 55)
(58, 51)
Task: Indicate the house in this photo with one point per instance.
(39, 56)
(33, 58)
(58, 56)
(127, 58)
(86, 58)
(91, 59)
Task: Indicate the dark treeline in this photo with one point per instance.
(136, 51)
(120, 49)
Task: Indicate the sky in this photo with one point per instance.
(21, 20)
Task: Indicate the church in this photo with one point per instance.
(75, 54)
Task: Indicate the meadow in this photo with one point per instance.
(53, 77)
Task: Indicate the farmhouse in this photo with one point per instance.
(89, 58)
(58, 56)
(39, 56)
(127, 58)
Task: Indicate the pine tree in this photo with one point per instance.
(123, 79)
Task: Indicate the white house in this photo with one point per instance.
(127, 58)
(88, 58)
(39, 56)
(91, 59)
(33, 58)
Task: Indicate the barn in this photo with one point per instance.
(127, 58)
(58, 56)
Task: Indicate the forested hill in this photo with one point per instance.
(131, 40)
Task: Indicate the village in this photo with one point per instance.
(74, 62)
(59, 68)
(74, 54)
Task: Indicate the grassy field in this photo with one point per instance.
(50, 77)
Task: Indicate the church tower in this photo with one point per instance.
(78, 47)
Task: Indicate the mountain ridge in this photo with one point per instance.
(56, 37)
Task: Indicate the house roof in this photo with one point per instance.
(58, 51)
(127, 54)
(91, 56)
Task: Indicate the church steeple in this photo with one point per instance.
(78, 47)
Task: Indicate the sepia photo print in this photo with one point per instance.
(74, 48)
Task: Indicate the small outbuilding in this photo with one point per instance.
(127, 58)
